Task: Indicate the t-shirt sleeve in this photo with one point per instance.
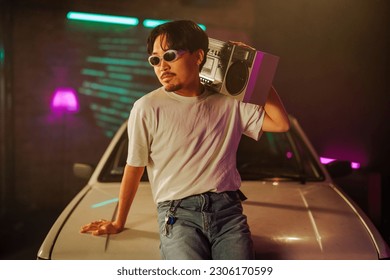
(139, 137)
(252, 117)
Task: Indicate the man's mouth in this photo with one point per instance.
(166, 75)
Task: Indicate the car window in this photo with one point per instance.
(275, 155)
(306, 161)
(114, 167)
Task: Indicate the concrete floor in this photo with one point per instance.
(22, 234)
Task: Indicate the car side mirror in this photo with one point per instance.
(82, 170)
(339, 168)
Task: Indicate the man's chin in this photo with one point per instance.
(171, 87)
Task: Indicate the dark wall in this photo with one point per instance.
(47, 56)
(333, 72)
(6, 156)
(332, 76)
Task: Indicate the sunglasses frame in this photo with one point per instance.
(177, 53)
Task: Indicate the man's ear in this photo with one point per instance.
(200, 56)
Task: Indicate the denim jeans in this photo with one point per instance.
(205, 226)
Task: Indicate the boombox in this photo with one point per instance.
(243, 73)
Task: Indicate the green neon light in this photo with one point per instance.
(151, 23)
(92, 72)
(120, 76)
(117, 61)
(107, 47)
(131, 55)
(120, 106)
(1, 55)
(137, 71)
(121, 84)
(103, 18)
(109, 119)
(108, 96)
(106, 126)
(202, 26)
(110, 89)
(104, 110)
(100, 204)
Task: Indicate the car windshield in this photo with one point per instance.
(277, 155)
(283, 156)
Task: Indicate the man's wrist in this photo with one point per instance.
(118, 225)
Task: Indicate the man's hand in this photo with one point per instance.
(241, 44)
(101, 227)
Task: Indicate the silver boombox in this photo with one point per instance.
(240, 72)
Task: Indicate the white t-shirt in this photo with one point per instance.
(189, 144)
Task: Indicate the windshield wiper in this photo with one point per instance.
(297, 177)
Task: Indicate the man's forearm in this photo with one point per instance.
(130, 182)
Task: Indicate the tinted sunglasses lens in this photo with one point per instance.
(170, 56)
(154, 60)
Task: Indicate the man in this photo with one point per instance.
(187, 136)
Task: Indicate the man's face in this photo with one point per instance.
(180, 75)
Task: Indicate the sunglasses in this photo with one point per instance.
(169, 56)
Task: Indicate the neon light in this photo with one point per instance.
(92, 72)
(103, 203)
(324, 160)
(138, 71)
(355, 165)
(110, 89)
(109, 119)
(116, 83)
(113, 48)
(103, 18)
(114, 78)
(289, 155)
(65, 99)
(120, 76)
(2, 55)
(202, 26)
(151, 23)
(117, 61)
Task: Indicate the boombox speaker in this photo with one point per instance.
(240, 72)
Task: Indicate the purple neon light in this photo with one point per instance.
(65, 99)
(289, 155)
(324, 160)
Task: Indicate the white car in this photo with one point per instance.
(294, 209)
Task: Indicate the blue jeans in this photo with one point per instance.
(205, 226)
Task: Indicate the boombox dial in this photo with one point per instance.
(243, 73)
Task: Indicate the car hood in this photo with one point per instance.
(288, 220)
(305, 221)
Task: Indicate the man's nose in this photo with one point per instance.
(164, 65)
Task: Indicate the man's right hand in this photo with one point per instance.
(101, 227)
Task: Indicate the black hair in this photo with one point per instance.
(181, 35)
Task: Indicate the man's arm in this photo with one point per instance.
(276, 117)
(129, 186)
